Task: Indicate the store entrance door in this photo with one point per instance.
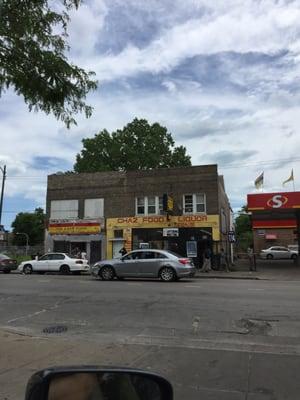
(117, 246)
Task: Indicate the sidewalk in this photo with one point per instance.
(278, 270)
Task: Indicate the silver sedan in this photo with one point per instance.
(148, 263)
(278, 252)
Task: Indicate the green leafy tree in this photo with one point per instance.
(32, 58)
(138, 146)
(243, 229)
(31, 223)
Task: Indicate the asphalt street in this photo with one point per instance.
(214, 339)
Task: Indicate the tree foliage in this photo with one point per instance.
(31, 223)
(33, 62)
(138, 146)
(243, 229)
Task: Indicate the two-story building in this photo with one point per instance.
(100, 213)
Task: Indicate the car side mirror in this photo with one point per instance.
(94, 383)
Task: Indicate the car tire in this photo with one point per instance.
(167, 274)
(294, 257)
(64, 270)
(270, 256)
(6, 271)
(27, 269)
(107, 273)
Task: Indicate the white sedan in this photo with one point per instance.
(55, 262)
(278, 252)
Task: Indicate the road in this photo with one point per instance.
(214, 339)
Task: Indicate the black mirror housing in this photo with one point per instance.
(97, 383)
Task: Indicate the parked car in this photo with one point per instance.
(7, 264)
(55, 262)
(150, 263)
(293, 247)
(278, 252)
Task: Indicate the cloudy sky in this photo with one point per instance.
(223, 76)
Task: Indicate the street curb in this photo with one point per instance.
(226, 277)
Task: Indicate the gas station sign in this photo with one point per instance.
(273, 201)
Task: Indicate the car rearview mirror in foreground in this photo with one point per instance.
(93, 383)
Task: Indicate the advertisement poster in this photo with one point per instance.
(191, 249)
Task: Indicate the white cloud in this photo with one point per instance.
(249, 106)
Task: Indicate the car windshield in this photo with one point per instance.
(3, 257)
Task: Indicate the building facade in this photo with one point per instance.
(274, 218)
(100, 213)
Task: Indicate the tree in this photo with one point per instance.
(138, 146)
(31, 223)
(243, 229)
(33, 62)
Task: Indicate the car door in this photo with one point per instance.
(128, 265)
(41, 265)
(149, 263)
(284, 252)
(55, 261)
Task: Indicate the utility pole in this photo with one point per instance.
(3, 170)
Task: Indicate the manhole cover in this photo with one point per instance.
(55, 329)
(254, 326)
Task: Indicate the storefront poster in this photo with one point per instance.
(191, 249)
(74, 228)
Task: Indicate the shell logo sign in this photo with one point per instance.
(277, 201)
(273, 201)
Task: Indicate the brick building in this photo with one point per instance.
(104, 211)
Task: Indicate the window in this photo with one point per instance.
(152, 205)
(140, 205)
(118, 233)
(194, 203)
(56, 257)
(93, 208)
(149, 205)
(44, 258)
(64, 209)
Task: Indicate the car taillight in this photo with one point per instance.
(78, 262)
(184, 261)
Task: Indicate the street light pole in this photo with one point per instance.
(27, 240)
(3, 170)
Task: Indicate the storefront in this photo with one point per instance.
(274, 219)
(76, 237)
(187, 235)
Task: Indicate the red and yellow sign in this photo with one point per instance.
(74, 228)
(273, 201)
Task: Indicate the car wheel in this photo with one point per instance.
(27, 269)
(270, 256)
(107, 273)
(167, 274)
(294, 256)
(64, 270)
(7, 271)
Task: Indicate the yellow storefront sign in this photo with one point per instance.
(160, 221)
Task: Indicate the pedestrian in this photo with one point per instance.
(224, 260)
(83, 255)
(252, 259)
(123, 251)
(206, 260)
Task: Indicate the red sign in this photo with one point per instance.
(274, 223)
(273, 201)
